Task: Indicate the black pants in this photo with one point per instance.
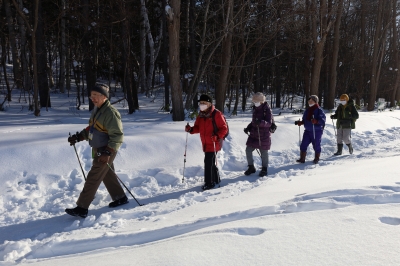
(210, 169)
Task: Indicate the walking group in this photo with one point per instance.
(105, 135)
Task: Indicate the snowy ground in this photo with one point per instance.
(343, 211)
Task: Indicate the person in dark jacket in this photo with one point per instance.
(346, 115)
(314, 123)
(212, 141)
(105, 136)
(260, 136)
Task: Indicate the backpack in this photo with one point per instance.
(273, 125)
(215, 125)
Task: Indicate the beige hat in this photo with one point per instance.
(314, 98)
(258, 97)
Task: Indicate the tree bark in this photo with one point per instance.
(13, 45)
(377, 54)
(174, 61)
(43, 78)
(330, 97)
(225, 57)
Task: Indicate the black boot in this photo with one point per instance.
(339, 149)
(263, 172)
(250, 170)
(302, 157)
(350, 148)
(77, 211)
(316, 158)
(208, 186)
(118, 202)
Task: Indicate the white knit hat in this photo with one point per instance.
(258, 97)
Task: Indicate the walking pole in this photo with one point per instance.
(299, 135)
(124, 185)
(184, 157)
(84, 176)
(216, 165)
(334, 128)
(256, 149)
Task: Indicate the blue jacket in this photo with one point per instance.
(319, 115)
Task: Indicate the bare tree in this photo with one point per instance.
(330, 97)
(378, 51)
(225, 56)
(173, 16)
(32, 31)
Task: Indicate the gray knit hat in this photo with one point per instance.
(258, 97)
(101, 88)
(314, 98)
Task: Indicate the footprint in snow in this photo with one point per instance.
(390, 220)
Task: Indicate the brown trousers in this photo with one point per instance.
(97, 174)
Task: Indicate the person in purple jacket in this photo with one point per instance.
(260, 136)
(314, 123)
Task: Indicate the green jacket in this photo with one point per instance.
(346, 115)
(106, 127)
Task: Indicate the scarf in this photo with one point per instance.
(311, 111)
(206, 113)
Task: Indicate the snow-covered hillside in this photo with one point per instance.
(343, 211)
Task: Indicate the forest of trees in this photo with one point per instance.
(229, 48)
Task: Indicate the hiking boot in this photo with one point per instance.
(339, 149)
(250, 170)
(77, 211)
(302, 157)
(263, 172)
(316, 158)
(208, 186)
(350, 148)
(118, 202)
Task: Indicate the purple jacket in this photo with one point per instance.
(259, 134)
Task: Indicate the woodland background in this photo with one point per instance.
(228, 48)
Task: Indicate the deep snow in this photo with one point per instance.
(343, 211)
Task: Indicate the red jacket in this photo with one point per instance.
(204, 126)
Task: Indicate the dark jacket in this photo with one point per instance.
(259, 134)
(346, 115)
(317, 113)
(204, 126)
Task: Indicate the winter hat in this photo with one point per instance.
(344, 97)
(314, 98)
(258, 97)
(101, 88)
(205, 98)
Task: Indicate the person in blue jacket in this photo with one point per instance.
(314, 123)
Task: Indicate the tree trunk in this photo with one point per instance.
(377, 54)
(319, 38)
(63, 50)
(395, 55)
(165, 60)
(42, 61)
(225, 58)
(13, 45)
(143, 52)
(174, 61)
(27, 82)
(89, 65)
(330, 97)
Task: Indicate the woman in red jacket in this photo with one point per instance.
(211, 139)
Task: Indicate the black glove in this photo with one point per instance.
(104, 156)
(333, 117)
(188, 128)
(74, 139)
(246, 130)
(298, 123)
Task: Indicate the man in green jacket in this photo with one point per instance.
(346, 115)
(105, 136)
